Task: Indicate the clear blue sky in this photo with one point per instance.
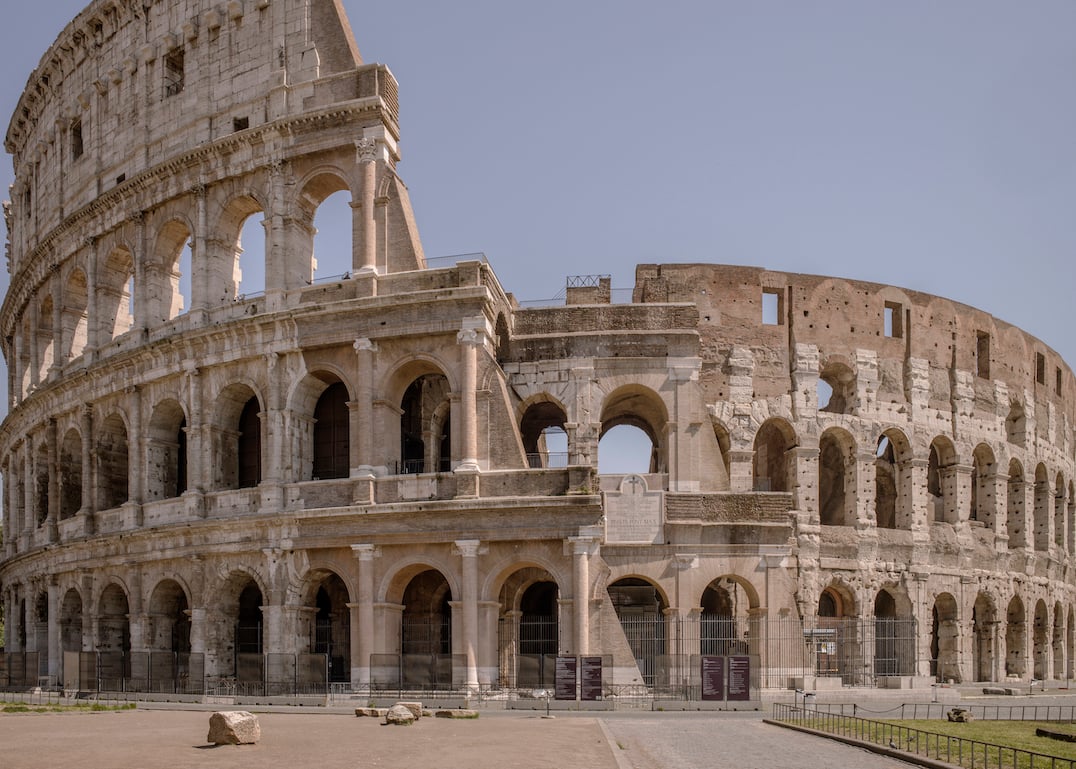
(925, 144)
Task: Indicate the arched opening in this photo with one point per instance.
(983, 502)
(168, 636)
(41, 632)
(544, 438)
(1059, 512)
(166, 449)
(894, 635)
(249, 445)
(41, 485)
(332, 246)
(70, 474)
(1070, 645)
(1041, 648)
(723, 622)
(1057, 642)
(945, 640)
(885, 484)
(836, 478)
(1015, 504)
(426, 631)
(248, 633)
(640, 607)
(770, 466)
(330, 631)
(236, 439)
(332, 441)
(836, 389)
(112, 463)
(941, 481)
(74, 318)
(621, 451)
(171, 293)
(113, 638)
(115, 294)
(426, 426)
(1016, 425)
(529, 629)
(984, 627)
(1042, 509)
(71, 622)
(45, 339)
(1015, 639)
(243, 263)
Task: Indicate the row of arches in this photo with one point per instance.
(979, 491)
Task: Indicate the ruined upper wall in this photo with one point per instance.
(131, 82)
(841, 317)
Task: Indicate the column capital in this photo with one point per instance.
(583, 545)
(366, 552)
(366, 150)
(364, 344)
(470, 548)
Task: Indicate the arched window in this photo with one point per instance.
(250, 445)
(425, 426)
(331, 433)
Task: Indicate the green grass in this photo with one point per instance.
(1014, 734)
(95, 707)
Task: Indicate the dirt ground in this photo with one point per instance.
(175, 739)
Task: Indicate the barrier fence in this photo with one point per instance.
(959, 751)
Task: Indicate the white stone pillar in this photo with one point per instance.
(362, 617)
(582, 549)
(362, 426)
(469, 550)
(365, 260)
(54, 631)
(53, 512)
(57, 326)
(136, 468)
(470, 339)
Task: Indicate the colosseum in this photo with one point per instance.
(388, 478)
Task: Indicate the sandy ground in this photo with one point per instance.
(174, 739)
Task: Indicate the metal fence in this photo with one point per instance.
(959, 751)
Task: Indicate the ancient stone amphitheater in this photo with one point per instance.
(389, 478)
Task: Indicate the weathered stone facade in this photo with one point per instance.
(339, 467)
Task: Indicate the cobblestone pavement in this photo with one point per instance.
(689, 741)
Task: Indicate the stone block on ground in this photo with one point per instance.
(371, 712)
(457, 713)
(399, 715)
(234, 727)
(414, 707)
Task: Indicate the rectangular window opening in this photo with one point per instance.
(174, 71)
(240, 123)
(77, 145)
(1040, 368)
(772, 307)
(982, 354)
(893, 320)
(1057, 382)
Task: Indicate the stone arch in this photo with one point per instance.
(941, 480)
(1041, 516)
(322, 449)
(426, 439)
(837, 385)
(166, 451)
(724, 626)
(640, 606)
(1015, 638)
(640, 407)
(71, 621)
(502, 339)
(544, 418)
(236, 627)
(770, 467)
(1057, 641)
(113, 630)
(837, 478)
(1060, 537)
(70, 471)
(236, 434)
(169, 627)
(1040, 642)
(113, 460)
(893, 481)
(983, 500)
(426, 638)
(529, 600)
(945, 639)
(1016, 506)
(226, 271)
(894, 633)
(312, 192)
(74, 318)
(985, 638)
(326, 626)
(837, 601)
(115, 293)
(170, 251)
(45, 338)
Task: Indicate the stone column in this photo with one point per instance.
(93, 315)
(804, 461)
(89, 479)
(362, 416)
(469, 550)
(362, 617)
(200, 266)
(33, 310)
(197, 440)
(278, 460)
(53, 512)
(582, 548)
(136, 468)
(141, 290)
(58, 327)
(741, 470)
(54, 630)
(29, 510)
(471, 338)
(366, 224)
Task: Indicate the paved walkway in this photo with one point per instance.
(175, 739)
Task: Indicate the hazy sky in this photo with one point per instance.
(928, 144)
